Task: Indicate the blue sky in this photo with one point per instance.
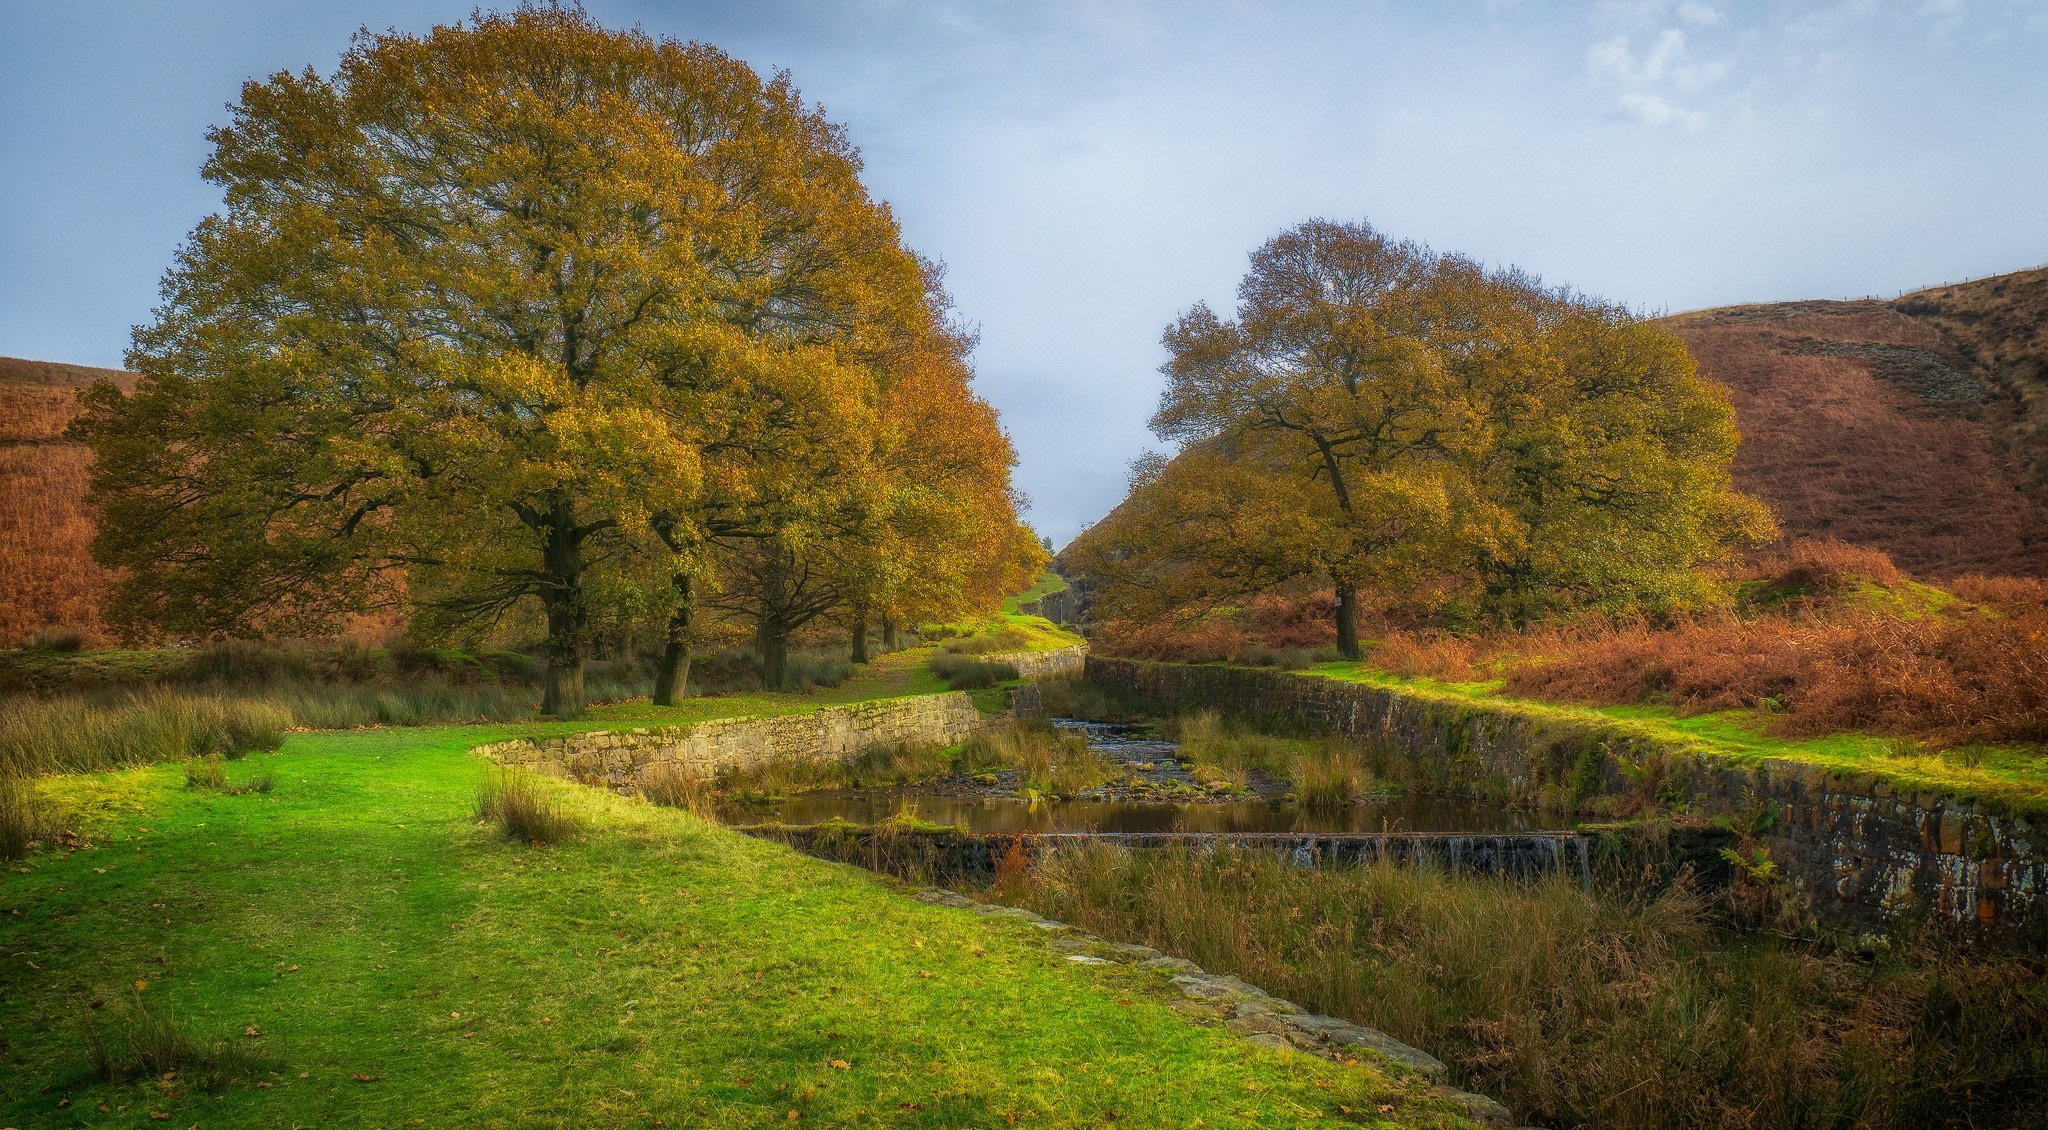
(1088, 170)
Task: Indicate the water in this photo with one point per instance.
(1010, 814)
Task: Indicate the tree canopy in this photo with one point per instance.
(520, 312)
(1381, 416)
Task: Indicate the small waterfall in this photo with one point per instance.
(1525, 856)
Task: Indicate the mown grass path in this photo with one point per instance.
(407, 967)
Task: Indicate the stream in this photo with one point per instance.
(983, 809)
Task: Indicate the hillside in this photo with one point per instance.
(51, 580)
(1914, 426)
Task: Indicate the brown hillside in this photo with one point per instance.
(1919, 427)
(50, 580)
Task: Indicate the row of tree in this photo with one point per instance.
(1379, 417)
(526, 312)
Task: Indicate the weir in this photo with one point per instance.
(951, 855)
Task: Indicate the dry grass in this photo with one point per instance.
(1841, 448)
(45, 532)
(1979, 674)
(1582, 1010)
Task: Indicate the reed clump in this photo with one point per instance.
(1049, 762)
(1581, 1008)
(524, 809)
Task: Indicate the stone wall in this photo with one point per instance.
(1058, 663)
(619, 759)
(1859, 853)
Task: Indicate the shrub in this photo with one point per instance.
(963, 673)
(150, 1045)
(524, 809)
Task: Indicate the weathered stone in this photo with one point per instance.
(1269, 1041)
(1856, 852)
(1478, 1108)
(1216, 987)
(1170, 965)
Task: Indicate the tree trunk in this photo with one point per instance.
(1347, 621)
(771, 652)
(562, 596)
(672, 681)
(889, 640)
(860, 636)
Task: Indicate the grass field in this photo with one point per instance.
(402, 965)
(2013, 776)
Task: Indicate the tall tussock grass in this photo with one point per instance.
(110, 730)
(1583, 1009)
(963, 672)
(148, 1044)
(1075, 697)
(70, 735)
(24, 819)
(524, 809)
(1048, 762)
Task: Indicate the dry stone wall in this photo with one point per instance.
(620, 759)
(1058, 663)
(1861, 854)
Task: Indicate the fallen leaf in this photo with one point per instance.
(141, 985)
(1386, 1108)
(160, 1115)
(742, 1082)
(793, 1116)
(293, 969)
(171, 1093)
(97, 1004)
(362, 1078)
(251, 1031)
(841, 1064)
(909, 1106)
(263, 1083)
(456, 1015)
(1125, 1002)
(924, 973)
(545, 1020)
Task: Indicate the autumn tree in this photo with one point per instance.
(1377, 414)
(466, 331)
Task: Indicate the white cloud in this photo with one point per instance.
(1704, 15)
(1650, 79)
(1655, 112)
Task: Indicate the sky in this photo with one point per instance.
(1088, 170)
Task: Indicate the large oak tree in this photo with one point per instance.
(482, 309)
(1377, 415)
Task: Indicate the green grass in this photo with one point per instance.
(1047, 584)
(2012, 777)
(403, 965)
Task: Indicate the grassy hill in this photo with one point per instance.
(45, 534)
(1918, 427)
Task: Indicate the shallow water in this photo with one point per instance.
(1005, 814)
(1011, 814)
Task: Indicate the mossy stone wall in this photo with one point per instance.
(1861, 855)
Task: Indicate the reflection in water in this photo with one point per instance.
(1154, 759)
